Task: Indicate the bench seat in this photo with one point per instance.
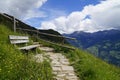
(22, 40)
(28, 47)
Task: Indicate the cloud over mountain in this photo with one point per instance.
(102, 16)
(22, 9)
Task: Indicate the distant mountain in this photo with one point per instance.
(53, 38)
(103, 44)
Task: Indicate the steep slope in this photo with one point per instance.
(87, 66)
(14, 65)
(52, 38)
(103, 44)
(21, 25)
(60, 64)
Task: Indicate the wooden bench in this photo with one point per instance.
(22, 40)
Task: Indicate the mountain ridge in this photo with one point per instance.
(103, 44)
(21, 26)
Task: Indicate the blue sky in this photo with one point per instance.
(66, 16)
(68, 5)
(56, 8)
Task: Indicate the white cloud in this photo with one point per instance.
(34, 14)
(22, 9)
(103, 16)
(49, 24)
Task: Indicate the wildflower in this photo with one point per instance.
(0, 69)
(8, 71)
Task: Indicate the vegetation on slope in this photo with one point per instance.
(14, 65)
(108, 51)
(90, 68)
(21, 26)
(87, 66)
(103, 44)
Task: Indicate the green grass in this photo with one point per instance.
(14, 65)
(87, 66)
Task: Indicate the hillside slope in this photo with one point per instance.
(87, 66)
(21, 25)
(103, 44)
(14, 65)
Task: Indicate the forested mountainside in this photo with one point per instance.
(103, 44)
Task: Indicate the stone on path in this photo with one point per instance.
(67, 68)
(39, 58)
(46, 49)
(61, 67)
(59, 63)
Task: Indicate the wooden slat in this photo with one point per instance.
(6, 16)
(29, 47)
(37, 31)
(62, 45)
(18, 41)
(11, 18)
(18, 37)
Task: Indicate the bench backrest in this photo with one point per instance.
(18, 39)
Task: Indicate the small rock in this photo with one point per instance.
(67, 68)
(61, 75)
(71, 78)
(47, 49)
(56, 68)
(71, 74)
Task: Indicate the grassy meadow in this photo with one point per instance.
(15, 65)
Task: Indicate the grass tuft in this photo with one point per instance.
(15, 65)
(87, 66)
